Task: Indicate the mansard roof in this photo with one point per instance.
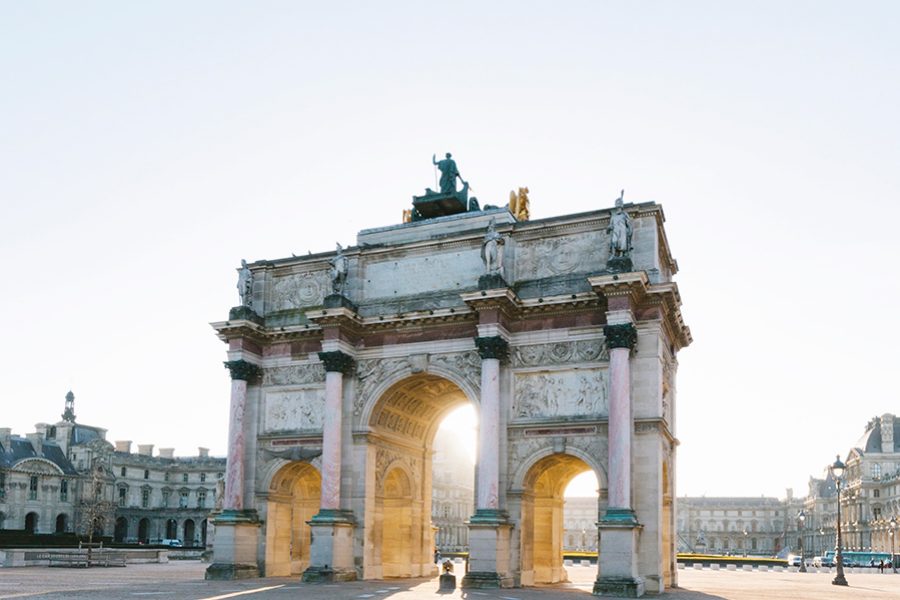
(20, 449)
(871, 439)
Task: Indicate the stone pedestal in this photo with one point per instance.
(618, 576)
(331, 551)
(489, 551)
(237, 537)
(447, 583)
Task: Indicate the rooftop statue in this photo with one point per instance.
(447, 200)
(449, 173)
(519, 203)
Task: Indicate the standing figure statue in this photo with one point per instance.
(449, 173)
(619, 230)
(492, 251)
(339, 266)
(245, 284)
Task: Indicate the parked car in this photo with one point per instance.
(172, 543)
(793, 560)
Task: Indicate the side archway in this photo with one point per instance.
(541, 517)
(294, 498)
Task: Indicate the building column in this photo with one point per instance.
(331, 551)
(489, 527)
(237, 528)
(619, 527)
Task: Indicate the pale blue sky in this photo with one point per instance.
(148, 147)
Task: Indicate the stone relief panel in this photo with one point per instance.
(551, 394)
(300, 290)
(560, 255)
(291, 410)
(294, 375)
(560, 353)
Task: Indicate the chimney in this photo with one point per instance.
(5, 435)
(204, 452)
(145, 449)
(166, 452)
(887, 433)
(37, 442)
(123, 446)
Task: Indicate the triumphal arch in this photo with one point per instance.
(561, 332)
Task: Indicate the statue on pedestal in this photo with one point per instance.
(245, 285)
(339, 267)
(619, 230)
(492, 256)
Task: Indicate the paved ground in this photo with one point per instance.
(185, 580)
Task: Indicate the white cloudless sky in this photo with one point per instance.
(145, 148)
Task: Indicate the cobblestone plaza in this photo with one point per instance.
(185, 580)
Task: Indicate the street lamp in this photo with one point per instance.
(837, 470)
(893, 525)
(745, 543)
(801, 517)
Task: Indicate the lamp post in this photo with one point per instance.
(801, 517)
(837, 470)
(893, 525)
(745, 544)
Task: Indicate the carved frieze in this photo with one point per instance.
(294, 374)
(300, 290)
(559, 256)
(546, 394)
(292, 410)
(536, 355)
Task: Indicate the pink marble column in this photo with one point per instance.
(489, 436)
(241, 372)
(335, 364)
(331, 441)
(492, 350)
(620, 340)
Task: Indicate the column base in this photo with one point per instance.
(485, 580)
(618, 575)
(326, 575)
(331, 551)
(620, 587)
(488, 551)
(234, 552)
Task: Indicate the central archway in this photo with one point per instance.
(293, 499)
(399, 536)
(542, 535)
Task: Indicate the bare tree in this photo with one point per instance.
(95, 506)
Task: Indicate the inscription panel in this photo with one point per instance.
(422, 274)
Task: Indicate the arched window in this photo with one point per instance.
(876, 470)
(31, 522)
(62, 521)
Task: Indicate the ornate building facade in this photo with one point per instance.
(742, 526)
(453, 494)
(63, 475)
(580, 517)
(870, 494)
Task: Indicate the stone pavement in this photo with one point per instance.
(179, 580)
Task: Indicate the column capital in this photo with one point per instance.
(336, 361)
(243, 370)
(623, 335)
(492, 347)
